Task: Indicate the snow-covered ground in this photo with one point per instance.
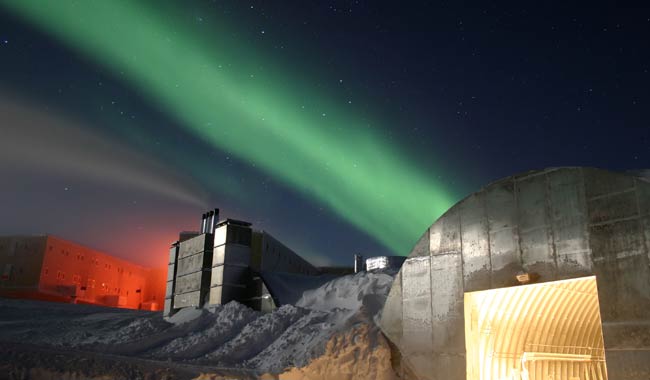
(330, 330)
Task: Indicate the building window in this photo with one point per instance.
(6, 274)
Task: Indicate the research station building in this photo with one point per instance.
(54, 269)
(227, 261)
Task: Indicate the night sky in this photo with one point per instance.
(339, 127)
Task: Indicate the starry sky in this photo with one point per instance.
(337, 126)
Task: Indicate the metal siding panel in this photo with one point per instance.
(416, 290)
(194, 245)
(449, 232)
(190, 264)
(620, 262)
(173, 253)
(646, 233)
(215, 296)
(167, 308)
(643, 195)
(220, 235)
(475, 243)
(537, 253)
(568, 216)
(187, 300)
(391, 316)
(502, 215)
(447, 286)
(170, 272)
(188, 283)
(222, 294)
(612, 207)
(417, 327)
(610, 242)
(231, 254)
(535, 239)
(169, 289)
(531, 198)
(435, 237)
(228, 274)
(601, 182)
(423, 245)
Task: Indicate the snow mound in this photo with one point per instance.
(333, 325)
(346, 292)
(221, 323)
(255, 336)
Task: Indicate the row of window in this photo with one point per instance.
(93, 260)
(90, 283)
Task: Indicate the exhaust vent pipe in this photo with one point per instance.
(209, 221)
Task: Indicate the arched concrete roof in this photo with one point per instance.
(558, 223)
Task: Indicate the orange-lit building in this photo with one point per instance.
(54, 269)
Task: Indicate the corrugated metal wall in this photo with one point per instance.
(557, 223)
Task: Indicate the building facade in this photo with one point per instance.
(224, 263)
(54, 269)
(541, 275)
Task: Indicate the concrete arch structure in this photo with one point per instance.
(548, 226)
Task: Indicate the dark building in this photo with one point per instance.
(228, 261)
(53, 269)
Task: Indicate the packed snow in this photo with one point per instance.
(299, 339)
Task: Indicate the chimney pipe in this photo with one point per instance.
(209, 229)
(215, 220)
(203, 223)
(358, 263)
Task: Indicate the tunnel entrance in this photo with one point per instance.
(546, 331)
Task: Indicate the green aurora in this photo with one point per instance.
(264, 115)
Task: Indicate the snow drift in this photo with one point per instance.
(329, 330)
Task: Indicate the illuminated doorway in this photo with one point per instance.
(546, 331)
